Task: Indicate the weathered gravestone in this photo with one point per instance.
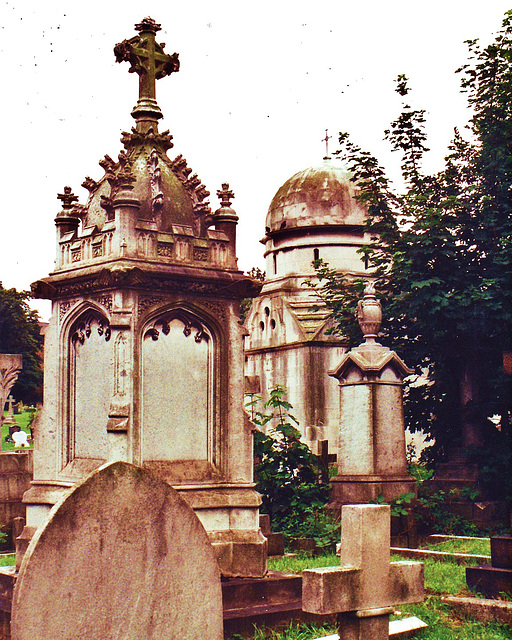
(121, 557)
(367, 586)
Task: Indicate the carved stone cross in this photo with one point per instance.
(225, 194)
(326, 140)
(147, 58)
(367, 586)
(9, 418)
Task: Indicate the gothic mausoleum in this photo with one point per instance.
(314, 215)
(144, 351)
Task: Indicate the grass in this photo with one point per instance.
(22, 419)
(441, 578)
(478, 546)
(7, 560)
(297, 563)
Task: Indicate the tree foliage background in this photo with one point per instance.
(441, 254)
(20, 333)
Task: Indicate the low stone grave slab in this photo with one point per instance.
(122, 556)
(482, 609)
(440, 556)
(404, 628)
(496, 578)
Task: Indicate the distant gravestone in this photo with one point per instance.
(20, 439)
(124, 557)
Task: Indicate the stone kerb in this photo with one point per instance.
(122, 556)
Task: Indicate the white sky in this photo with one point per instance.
(259, 84)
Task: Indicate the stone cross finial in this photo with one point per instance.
(367, 586)
(147, 58)
(369, 313)
(67, 198)
(225, 195)
(326, 140)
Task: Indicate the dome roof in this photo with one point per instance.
(165, 190)
(315, 197)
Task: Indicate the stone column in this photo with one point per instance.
(371, 454)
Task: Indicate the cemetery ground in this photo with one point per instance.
(441, 579)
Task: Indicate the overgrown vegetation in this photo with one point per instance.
(441, 254)
(246, 304)
(20, 333)
(287, 473)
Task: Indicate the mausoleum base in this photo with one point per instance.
(229, 514)
(355, 489)
(240, 554)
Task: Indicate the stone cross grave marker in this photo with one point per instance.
(121, 556)
(365, 588)
(20, 439)
(9, 418)
(10, 367)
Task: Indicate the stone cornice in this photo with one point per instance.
(233, 285)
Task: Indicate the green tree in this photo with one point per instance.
(257, 274)
(441, 255)
(20, 332)
(287, 472)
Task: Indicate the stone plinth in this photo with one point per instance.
(496, 578)
(275, 540)
(122, 556)
(371, 454)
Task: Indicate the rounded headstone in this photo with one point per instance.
(122, 557)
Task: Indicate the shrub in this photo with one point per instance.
(287, 473)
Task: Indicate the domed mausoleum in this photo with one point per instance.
(314, 215)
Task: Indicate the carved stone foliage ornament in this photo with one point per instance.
(157, 197)
(146, 303)
(10, 367)
(65, 306)
(91, 320)
(191, 326)
(146, 57)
